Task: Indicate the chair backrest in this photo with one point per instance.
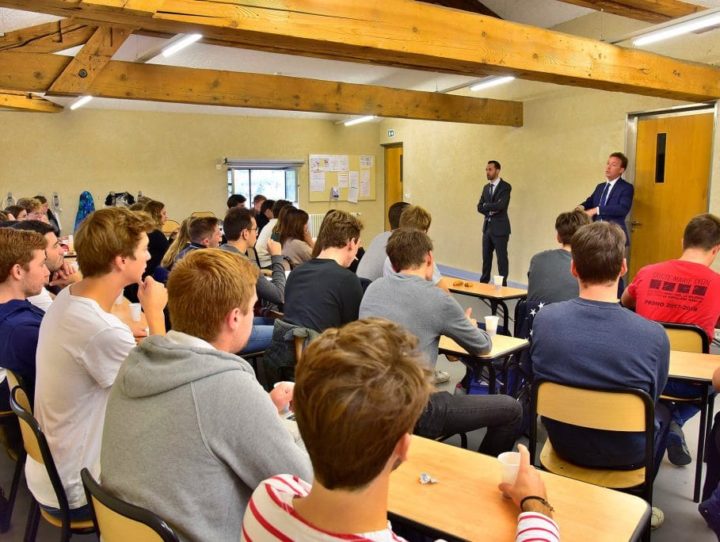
(14, 381)
(197, 214)
(170, 227)
(37, 448)
(118, 521)
(687, 338)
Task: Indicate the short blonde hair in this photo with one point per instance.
(30, 204)
(358, 390)
(106, 234)
(205, 286)
(415, 217)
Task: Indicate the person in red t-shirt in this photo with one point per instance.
(684, 291)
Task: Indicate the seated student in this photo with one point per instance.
(295, 238)
(257, 204)
(236, 201)
(408, 297)
(204, 232)
(189, 433)
(267, 231)
(61, 273)
(358, 395)
(265, 214)
(371, 265)
(593, 341)
(710, 505)
(81, 346)
(683, 291)
(182, 239)
(34, 209)
(23, 273)
(51, 218)
(549, 277)
(241, 232)
(158, 243)
(15, 212)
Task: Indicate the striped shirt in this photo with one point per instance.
(270, 515)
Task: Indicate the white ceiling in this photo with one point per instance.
(543, 13)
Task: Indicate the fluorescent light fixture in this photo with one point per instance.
(82, 100)
(359, 120)
(678, 29)
(181, 41)
(491, 82)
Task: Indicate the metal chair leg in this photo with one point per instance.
(17, 475)
(33, 520)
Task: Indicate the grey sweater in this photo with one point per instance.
(426, 311)
(272, 291)
(189, 433)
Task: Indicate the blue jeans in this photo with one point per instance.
(76, 514)
(261, 335)
(447, 414)
(682, 412)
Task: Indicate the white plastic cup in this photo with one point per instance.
(510, 463)
(491, 325)
(135, 311)
(498, 281)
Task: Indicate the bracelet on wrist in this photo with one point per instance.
(535, 498)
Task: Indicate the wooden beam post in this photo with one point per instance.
(27, 102)
(47, 37)
(651, 11)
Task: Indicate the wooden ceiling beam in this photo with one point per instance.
(473, 6)
(128, 80)
(27, 102)
(651, 11)
(408, 34)
(47, 37)
(78, 76)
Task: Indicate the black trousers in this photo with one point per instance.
(497, 243)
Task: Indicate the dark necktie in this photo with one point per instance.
(605, 194)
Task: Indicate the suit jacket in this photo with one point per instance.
(617, 206)
(495, 208)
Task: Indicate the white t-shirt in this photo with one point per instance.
(80, 349)
(42, 301)
(261, 243)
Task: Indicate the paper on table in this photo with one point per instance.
(353, 194)
(365, 183)
(317, 181)
(366, 160)
(343, 179)
(354, 177)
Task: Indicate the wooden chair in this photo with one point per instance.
(692, 338)
(629, 410)
(9, 426)
(170, 227)
(37, 448)
(118, 521)
(197, 214)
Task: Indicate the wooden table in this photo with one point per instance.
(466, 503)
(497, 296)
(697, 368)
(502, 347)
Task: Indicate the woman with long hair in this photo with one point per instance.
(158, 243)
(295, 238)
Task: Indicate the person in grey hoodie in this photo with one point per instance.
(189, 433)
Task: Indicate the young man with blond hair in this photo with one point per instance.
(82, 345)
(23, 274)
(204, 232)
(409, 298)
(358, 394)
(189, 432)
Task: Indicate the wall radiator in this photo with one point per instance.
(315, 221)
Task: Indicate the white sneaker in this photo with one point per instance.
(657, 518)
(441, 377)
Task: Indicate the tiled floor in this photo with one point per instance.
(673, 487)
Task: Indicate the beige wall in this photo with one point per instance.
(169, 156)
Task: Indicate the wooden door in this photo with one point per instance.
(670, 187)
(393, 177)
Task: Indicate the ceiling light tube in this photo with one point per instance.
(82, 100)
(359, 120)
(678, 29)
(181, 41)
(492, 82)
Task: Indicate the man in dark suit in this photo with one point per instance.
(611, 200)
(493, 204)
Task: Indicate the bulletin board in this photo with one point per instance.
(341, 177)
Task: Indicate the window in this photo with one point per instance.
(273, 179)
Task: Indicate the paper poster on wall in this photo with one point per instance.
(320, 162)
(365, 183)
(343, 179)
(339, 162)
(317, 181)
(353, 194)
(354, 177)
(366, 161)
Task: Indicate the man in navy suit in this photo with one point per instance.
(611, 200)
(493, 203)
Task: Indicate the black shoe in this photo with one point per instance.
(677, 450)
